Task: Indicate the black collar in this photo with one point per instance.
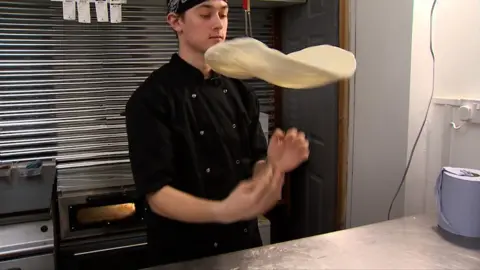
(186, 73)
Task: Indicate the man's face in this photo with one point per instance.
(203, 25)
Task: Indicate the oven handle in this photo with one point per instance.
(109, 249)
(109, 198)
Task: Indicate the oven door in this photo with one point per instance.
(99, 213)
(120, 252)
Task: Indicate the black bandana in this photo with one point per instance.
(180, 6)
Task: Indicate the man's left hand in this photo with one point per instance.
(287, 151)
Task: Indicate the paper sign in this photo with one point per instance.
(115, 13)
(69, 10)
(101, 8)
(120, 1)
(83, 7)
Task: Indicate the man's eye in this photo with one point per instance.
(205, 16)
(223, 16)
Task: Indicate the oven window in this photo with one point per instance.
(98, 216)
(106, 213)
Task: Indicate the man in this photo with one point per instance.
(197, 149)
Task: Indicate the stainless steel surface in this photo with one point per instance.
(407, 243)
(26, 238)
(40, 262)
(24, 194)
(64, 84)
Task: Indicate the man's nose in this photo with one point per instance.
(217, 22)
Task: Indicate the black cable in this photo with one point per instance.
(426, 114)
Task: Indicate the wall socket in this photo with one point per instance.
(475, 113)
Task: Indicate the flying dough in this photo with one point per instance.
(225, 58)
(316, 66)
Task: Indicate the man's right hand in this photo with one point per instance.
(252, 197)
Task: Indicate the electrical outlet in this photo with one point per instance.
(475, 113)
(465, 113)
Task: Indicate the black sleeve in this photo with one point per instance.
(150, 147)
(258, 141)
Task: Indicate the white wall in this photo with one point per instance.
(456, 43)
(380, 96)
(390, 94)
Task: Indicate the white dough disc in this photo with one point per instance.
(316, 66)
(221, 58)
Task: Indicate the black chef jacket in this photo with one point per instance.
(201, 136)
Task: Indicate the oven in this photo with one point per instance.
(100, 219)
(99, 212)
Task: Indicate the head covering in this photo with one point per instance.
(180, 6)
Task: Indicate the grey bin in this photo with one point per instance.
(264, 124)
(264, 227)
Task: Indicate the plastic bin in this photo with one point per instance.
(30, 169)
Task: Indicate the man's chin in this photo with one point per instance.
(212, 42)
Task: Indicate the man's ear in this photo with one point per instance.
(174, 20)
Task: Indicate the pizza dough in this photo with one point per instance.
(316, 66)
(225, 58)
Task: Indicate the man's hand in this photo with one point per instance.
(252, 198)
(287, 151)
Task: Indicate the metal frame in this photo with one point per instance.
(93, 1)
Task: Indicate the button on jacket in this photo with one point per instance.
(201, 136)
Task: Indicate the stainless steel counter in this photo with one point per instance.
(407, 243)
(31, 237)
(20, 194)
(27, 246)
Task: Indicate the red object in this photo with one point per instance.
(246, 5)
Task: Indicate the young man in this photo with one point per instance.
(197, 150)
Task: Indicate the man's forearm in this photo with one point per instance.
(259, 166)
(262, 165)
(177, 205)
